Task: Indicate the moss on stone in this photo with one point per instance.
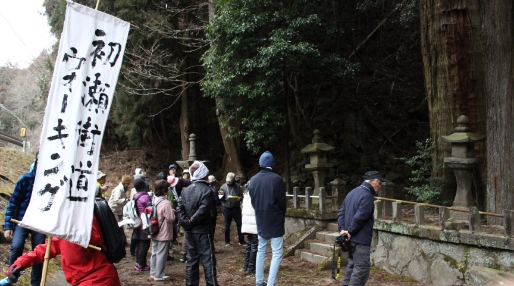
(302, 213)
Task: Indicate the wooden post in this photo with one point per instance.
(308, 199)
(378, 209)
(397, 211)
(444, 214)
(296, 199)
(509, 220)
(419, 214)
(474, 219)
(47, 259)
(322, 198)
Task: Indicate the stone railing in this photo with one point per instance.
(322, 206)
(444, 220)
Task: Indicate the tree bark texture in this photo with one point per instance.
(184, 117)
(497, 34)
(453, 67)
(232, 161)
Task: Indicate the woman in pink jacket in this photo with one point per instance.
(161, 241)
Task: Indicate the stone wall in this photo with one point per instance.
(440, 262)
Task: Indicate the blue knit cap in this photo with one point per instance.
(266, 159)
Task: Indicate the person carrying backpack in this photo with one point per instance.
(139, 236)
(161, 241)
(81, 266)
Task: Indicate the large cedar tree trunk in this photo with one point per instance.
(497, 34)
(452, 57)
(184, 117)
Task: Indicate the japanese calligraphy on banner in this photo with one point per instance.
(88, 63)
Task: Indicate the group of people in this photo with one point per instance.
(258, 209)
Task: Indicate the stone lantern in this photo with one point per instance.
(192, 154)
(318, 152)
(462, 162)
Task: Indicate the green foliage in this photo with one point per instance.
(426, 188)
(262, 54)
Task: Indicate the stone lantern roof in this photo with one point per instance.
(462, 134)
(317, 145)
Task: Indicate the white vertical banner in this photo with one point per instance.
(85, 76)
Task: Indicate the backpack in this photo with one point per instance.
(113, 235)
(150, 220)
(130, 212)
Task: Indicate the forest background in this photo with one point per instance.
(382, 80)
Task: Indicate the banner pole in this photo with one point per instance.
(97, 4)
(47, 259)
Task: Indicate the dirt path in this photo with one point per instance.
(293, 271)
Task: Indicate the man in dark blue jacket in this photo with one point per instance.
(16, 209)
(355, 219)
(268, 195)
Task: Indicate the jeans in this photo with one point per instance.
(277, 249)
(235, 214)
(18, 242)
(357, 271)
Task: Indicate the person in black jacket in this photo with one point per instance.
(197, 213)
(355, 219)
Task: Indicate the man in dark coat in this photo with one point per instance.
(355, 219)
(197, 215)
(268, 195)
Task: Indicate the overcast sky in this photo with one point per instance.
(24, 31)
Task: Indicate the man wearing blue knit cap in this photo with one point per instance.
(268, 195)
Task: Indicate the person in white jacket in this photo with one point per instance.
(249, 227)
(119, 197)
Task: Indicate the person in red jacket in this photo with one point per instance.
(81, 266)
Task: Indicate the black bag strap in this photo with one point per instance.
(336, 263)
(135, 202)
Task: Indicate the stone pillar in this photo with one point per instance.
(419, 214)
(192, 147)
(474, 219)
(296, 199)
(444, 214)
(397, 211)
(308, 199)
(378, 209)
(387, 191)
(338, 190)
(509, 222)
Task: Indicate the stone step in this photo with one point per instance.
(327, 236)
(322, 248)
(332, 226)
(315, 258)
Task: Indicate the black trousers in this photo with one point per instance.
(200, 249)
(141, 251)
(233, 214)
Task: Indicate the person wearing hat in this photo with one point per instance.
(180, 184)
(118, 197)
(139, 236)
(197, 215)
(355, 219)
(268, 195)
(231, 195)
(213, 183)
(101, 187)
